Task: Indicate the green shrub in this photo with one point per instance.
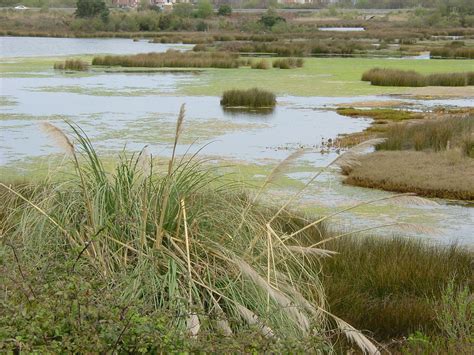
(254, 98)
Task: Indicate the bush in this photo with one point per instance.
(288, 63)
(253, 98)
(261, 64)
(224, 10)
(71, 64)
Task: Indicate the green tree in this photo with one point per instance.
(224, 10)
(204, 9)
(271, 17)
(184, 10)
(92, 8)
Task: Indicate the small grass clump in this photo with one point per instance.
(252, 98)
(260, 64)
(172, 59)
(380, 114)
(71, 64)
(409, 78)
(288, 63)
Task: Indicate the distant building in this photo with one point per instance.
(125, 3)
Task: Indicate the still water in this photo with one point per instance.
(132, 110)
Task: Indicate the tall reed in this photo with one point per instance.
(71, 64)
(394, 77)
(172, 58)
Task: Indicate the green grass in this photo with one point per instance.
(319, 77)
(379, 113)
(393, 287)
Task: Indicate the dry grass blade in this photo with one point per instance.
(312, 251)
(252, 319)
(58, 136)
(350, 158)
(356, 336)
(291, 309)
(283, 166)
(144, 162)
(193, 325)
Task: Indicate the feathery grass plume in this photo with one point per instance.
(350, 158)
(164, 202)
(193, 325)
(356, 336)
(300, 319)
(311, 251)
(252, 319)
(58, 136)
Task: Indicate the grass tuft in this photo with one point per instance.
(253, 98)
(71, 64)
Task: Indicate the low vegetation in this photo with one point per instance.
(71, 64)
(393, 77)
(445, 175)
(438, 134)
(260, 64)
(252, 98)
(393, 287)
(431, 157)
(171, 58)
(140, 259)
(450, 52)
(380, 114)
(288, 63)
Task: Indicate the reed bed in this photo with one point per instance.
(450, 52)
(394, 77)
(288, 63)
(71, 64)
(172, 59)
(252, 98)
(435, 134)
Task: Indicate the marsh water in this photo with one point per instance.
(133, 110)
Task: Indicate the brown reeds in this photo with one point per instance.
(71, 64)
(172, 59)
(410, 78)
